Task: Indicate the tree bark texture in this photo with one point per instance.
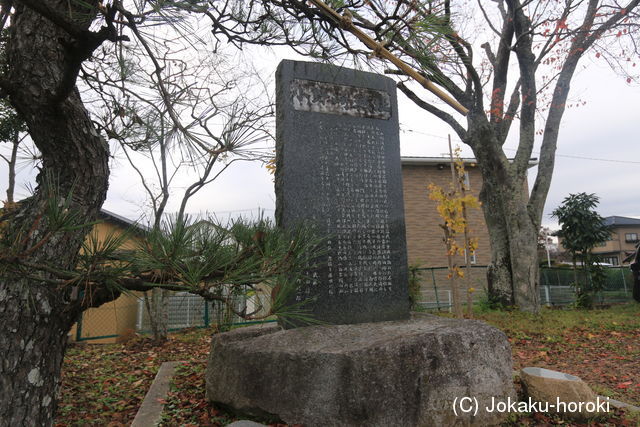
(33, 339)
(12, 167)
(157, 306)
(34, 313)
(512, 275)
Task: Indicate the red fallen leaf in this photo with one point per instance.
(163, 401)
(625, 384)
(540, 417)
(626, 422)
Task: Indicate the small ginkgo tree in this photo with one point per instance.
(452, 208)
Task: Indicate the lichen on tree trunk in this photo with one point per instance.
(36, 314)
(33, 341)
(157, 307)
(512, 275)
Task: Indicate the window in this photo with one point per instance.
(467, 182)
(473, 259)
(613, 260)
(631, 237)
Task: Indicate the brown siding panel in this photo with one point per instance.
(424, 236)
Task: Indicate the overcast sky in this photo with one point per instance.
(597, 153)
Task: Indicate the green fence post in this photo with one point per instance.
(435, 288)
(79, 328)
(206, 313)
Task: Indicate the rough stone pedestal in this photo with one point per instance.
(398, 373)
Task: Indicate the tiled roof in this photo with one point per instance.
(614, 221)
(126, 222)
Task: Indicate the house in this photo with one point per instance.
(625, 234)
(425, 246)
(118, 320)
(114, 320)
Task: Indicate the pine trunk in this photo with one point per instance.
(157, 306)
(33, 340)
(12, 167)
(36, 312)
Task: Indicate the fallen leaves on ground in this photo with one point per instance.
(105, 384)
(600, 346)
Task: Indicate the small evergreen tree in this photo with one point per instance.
(581, 229)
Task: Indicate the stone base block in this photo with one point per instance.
(561, 392)
(400, 373)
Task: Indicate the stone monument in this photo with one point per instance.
(338, 168)
(370, 363)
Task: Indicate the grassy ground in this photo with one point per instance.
(600, 346)
(104, 384)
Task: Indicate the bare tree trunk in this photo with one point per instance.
(158, 310)
(512, 275)
(524, 261)
(499, 274)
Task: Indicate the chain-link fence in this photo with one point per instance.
(556, 286)
(108, 323)
(128, 315)
(186, 310)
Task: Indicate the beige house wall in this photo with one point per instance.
(113, 318)
(617, 245)
(117, 317)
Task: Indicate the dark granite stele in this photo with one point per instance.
(338, 168)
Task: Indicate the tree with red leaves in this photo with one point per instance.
(510, 63)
